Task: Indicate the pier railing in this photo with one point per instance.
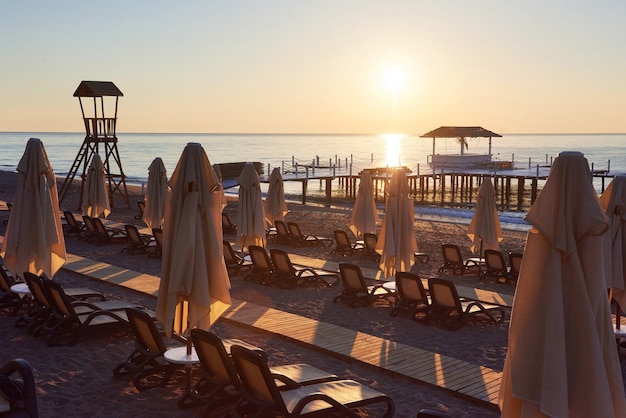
(516, 187)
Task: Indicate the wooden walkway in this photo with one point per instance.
(460, 377)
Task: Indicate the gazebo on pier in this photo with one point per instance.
(461, 133)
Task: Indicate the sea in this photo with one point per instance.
(311, 154)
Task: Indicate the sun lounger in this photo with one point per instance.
(146, 360)
(219, 381)
(137, 243)
(72, 225)
(262, 268)
(343, 245)
(356, 292)
(18, 397)
(41, 307)
(258, 387)
(453, 261)
(106, 235)
(70, 319)
(157, 250)
(299, 239)
(495, 266)
(411, 296)
(454, 311)
(287, 276)
(234, 262)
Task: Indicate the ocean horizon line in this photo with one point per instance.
(309, 133)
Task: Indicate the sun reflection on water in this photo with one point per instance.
(393, 149)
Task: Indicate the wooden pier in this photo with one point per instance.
(514, 191)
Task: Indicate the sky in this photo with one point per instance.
(317, 66)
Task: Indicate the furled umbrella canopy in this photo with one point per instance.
(250, 217)
(484, 229)
(562, 359)
(275, 207)
(364, 215)
(33, 238)
(613, 201)
(95, 197)
(154, 213)
(397, 244)
(194, 289)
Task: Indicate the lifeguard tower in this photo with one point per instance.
(100, 139)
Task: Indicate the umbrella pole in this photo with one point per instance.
(618, 311)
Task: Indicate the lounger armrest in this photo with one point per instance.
(318, 396)
(289, 383)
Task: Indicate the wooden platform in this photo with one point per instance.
(460, 377)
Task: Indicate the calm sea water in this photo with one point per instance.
(530, 152)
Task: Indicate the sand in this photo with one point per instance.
(76, 381)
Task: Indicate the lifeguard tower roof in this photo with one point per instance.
(97, 89)
(460, 132)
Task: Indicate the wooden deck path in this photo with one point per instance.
(463, 378)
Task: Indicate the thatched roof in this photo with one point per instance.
(460, 132)
(97, 89)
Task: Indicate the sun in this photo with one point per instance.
(395, 79)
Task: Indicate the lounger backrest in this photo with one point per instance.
(255, 376)
(59, 300)
(452, 253)
(36, 288)
(89, 223)
(342, 239)
(352, 277)
(213, 356)
(71, 221)
(157, 233)
(443, 294)
(133, 234)
(281, 229)
(260, 259)
(229, 254)
(145, 330)
(226, 223)
(5, 280)
(515, 259)
(370, 240)
(410, 287)
(494, 260)
(281, 261)
(294, 230)
(97, 223)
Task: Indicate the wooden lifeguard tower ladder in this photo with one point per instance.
(100, 131)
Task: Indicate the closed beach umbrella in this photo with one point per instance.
(275, 207)
(397, 244)
(484, 229)
(33, 238)
(250, 217)
(613, 201)
(562, 360)
(154, 213)
(95, 196)
(364, 215)
(194, 289)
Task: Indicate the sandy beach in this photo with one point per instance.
(77, 381)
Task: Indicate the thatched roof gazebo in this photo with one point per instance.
(460, 133)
